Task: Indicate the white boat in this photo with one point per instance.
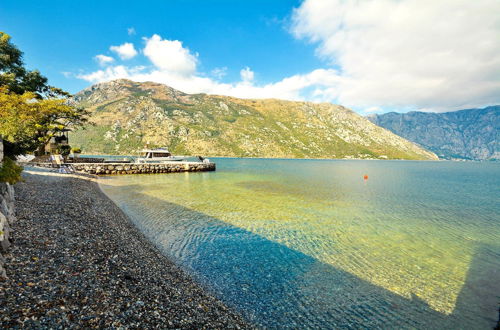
(158, 155)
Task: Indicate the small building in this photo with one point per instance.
(59, 139)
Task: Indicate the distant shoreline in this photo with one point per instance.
(278, 158)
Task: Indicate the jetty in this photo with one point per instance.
(111, 168)
(148, 168)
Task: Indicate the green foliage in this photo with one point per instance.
(26, 123)
(10, 172)
(64, 150)
(19, 80)
(31, 111)
(229, 119)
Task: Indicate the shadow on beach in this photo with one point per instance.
(275, 286)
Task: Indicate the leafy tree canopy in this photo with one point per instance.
(31, 111)
(14, 75)
(27, 123)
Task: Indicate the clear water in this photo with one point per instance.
(310, 243)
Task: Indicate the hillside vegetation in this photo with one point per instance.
(127, 115)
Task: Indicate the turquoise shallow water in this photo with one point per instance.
(310, 243)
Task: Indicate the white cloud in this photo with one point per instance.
(170, 56)
(289, 88)
(409, 54)
(247, 75)
(131, 31)
(373, 110)
(125, 51)
(425, 54)
(219, 73)
(103, 59)
(111, 73)
(175, 65)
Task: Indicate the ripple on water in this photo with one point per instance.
(309, 243)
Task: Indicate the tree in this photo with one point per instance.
(31, 111)
(14, 75)
(27, 123)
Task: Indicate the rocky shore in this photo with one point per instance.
(78, 262)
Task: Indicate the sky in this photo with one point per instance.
(373, 56)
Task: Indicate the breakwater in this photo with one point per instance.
(133, 168)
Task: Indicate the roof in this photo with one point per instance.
(157, 150)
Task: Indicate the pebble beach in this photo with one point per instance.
(78, 262)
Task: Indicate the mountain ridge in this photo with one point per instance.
(128, 114)
(463, 134)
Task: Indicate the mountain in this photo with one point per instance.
(127, 115)
(464, 134)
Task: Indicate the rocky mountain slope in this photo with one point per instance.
(127, 115)
(464, 134)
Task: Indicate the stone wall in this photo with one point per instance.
(7, 217)
(86, 160)
(148, 168)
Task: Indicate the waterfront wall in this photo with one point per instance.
(7, 217)
(148, 168)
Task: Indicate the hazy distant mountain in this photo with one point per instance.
(129, 114)
(466, 134)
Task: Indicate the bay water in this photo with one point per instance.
(331, 243)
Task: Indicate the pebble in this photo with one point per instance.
(78, 262)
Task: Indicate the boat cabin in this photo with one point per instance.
(155, 153)
(158, 155)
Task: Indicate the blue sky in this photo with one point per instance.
(64, 36)
(317, 50)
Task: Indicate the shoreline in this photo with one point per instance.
(78, 261)
(322, 158)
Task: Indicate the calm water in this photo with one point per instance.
(310, 243)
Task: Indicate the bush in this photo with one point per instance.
(10, 172)
(64, 150)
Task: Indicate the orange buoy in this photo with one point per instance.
(365, 177)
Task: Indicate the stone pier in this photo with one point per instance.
(137, 168)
